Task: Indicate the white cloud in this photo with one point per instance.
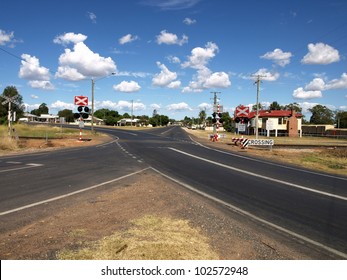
(81, 63)
(201, 56)
(300, 93)
(120, 105)
(278, 56)
(60, 105)
(127, 39)
(31, 69)
(205, 106)
(316, 84)
(125, 86)
(178, 107)
(320, 54)
(171, 39)
(204, 77)
(165, 78)
(338, 83)
(189, 21)
(92, 17)
(33, 96)
(155, 106)
(168, 5)
(68, 73)
(217, 80)
(38, 76)
(136, 106)
(69, 37)
(173, 59)
(5, 37)
(47, 85)
(266, 75)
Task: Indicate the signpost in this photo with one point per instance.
(9, 100)
(82, 103)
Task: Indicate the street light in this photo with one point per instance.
(93, 83)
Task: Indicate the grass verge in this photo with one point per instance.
(149, 238)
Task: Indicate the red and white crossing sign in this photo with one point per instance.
(81, 100)
(242, 111)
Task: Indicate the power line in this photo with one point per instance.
(11, 54)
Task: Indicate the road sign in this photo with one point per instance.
(9, 99)
(81, 100)
(241, 127)
(242, 111)
(261, 142)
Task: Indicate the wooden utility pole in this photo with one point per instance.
(258, 81)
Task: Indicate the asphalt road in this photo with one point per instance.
(306, 206)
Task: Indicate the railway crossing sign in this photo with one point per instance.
(242, 111)
(81, 100)
(9, 100)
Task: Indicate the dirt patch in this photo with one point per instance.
(45, 231)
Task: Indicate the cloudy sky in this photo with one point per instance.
(170, 55)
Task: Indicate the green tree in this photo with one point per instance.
(321, 115)
(67, 114)
(341, 119)
(226, 119)
(17, 106)
(110, 117)
(202, 117)
(254, 107)
(275, 106)
(159, 120)
(43, 109)
(292, 106)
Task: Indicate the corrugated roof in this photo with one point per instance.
(273, 114)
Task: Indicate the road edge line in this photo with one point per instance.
(248, 214)
(70, 194)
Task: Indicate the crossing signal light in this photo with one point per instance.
(83, 112)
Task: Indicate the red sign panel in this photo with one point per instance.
(81, 100)
(242, 111)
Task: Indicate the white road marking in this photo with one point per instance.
(254, 217)
(268, 162)
(28, 165)
(262, 176)
(71, 193)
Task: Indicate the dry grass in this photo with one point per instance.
(149, 238)
(317, 158)
(7, 143)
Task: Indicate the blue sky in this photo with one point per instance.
(170, 55)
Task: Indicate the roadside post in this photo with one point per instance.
(83, 112)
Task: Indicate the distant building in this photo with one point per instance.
(125, 122)
(48, 118)
(277, 122)
(27, 117)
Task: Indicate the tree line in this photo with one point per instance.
(320, 114)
